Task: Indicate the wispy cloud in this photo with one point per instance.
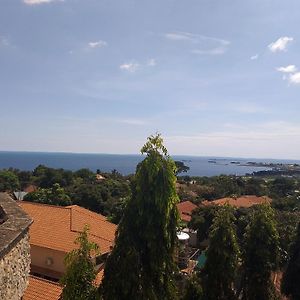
(215, 51)
(4, 42)
(281, 44)
(254, 57)
(36, 2)
(287, 69)
(203, 45)
(151, 62)
(97, 44)
(295, 78)
(130, 66)
(134, 66)
(254, 141)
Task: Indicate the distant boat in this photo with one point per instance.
(235, 162)
(212, 161)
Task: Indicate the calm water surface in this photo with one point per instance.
(125, 164)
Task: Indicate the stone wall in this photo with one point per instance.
(14, 249)
(14, 270)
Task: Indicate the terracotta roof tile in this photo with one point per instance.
(185, 209)
(57, 227)
(99, 277)
(243, 201)
(42, 289)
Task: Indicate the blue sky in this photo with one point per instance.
(216, 78)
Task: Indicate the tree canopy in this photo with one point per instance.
(141, 265)
(78, 281)
(8, 181)
(291, 277)
(260, 254)
(222, 257)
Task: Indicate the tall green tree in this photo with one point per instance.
(193, 289)
(141, 265)
(261, 255)
(80, 271)
(291, 277)
(222, 257)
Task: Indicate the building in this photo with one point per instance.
(52, 236)
(14, 249)
(185, 210)
(243, 201)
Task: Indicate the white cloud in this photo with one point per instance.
(281, 44)
(295, 78)
(133, 66)
(288, 69)
(130, 67)
(180, 36)
(36, 2)
(206, 45)
(214, 51)
(151, 62)
(254, 57)
(97, 44)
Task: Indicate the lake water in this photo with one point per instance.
(125, 164)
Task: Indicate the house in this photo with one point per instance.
(185, 209)
(243, 201)
(52, 236)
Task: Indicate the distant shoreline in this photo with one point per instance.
(126, 164)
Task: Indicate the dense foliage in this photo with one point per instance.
(106, 194)
(291, 277)
(78, 280)
(55, 195)
(8, 181)
(260, 255)
(222, 254)
(141, 265)
(193, 289)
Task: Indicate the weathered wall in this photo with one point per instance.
(14, 270)
(14, 249)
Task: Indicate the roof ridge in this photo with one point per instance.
(43, 204)
(97, 236)
(89, 212)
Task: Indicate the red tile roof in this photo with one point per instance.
(243, 201)
(57, 227)
(185, 209)
(42, 289)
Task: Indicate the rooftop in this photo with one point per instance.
(185, 209)
(243, 201)
(40, 288)
(57, 227)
